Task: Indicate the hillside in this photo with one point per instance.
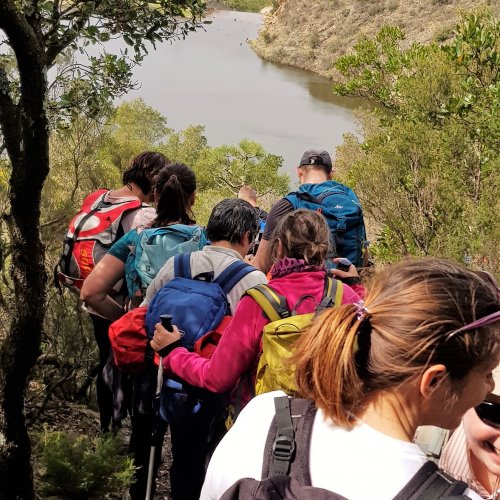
(312, 34)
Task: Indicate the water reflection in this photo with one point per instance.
(213, 78)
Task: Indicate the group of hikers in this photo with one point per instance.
(278, 371)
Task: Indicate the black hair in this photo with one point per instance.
(175, 187)
(143, 168)
(231, 219)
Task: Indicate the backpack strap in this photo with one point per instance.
(182, 265)
(332, 294)
(288, 442)
(65, 260)
(272, 303)
(430, 483)
(233, 274)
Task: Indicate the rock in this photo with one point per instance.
(266, 10)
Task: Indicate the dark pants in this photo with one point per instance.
(140, 447)
(192, 447)
(104, 394)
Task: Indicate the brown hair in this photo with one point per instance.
(304, 234)
(412, 307)
(143, 168)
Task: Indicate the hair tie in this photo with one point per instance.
(361, 310)
(362, 340)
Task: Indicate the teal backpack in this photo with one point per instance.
(155, 247)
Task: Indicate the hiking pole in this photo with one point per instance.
(166, 322)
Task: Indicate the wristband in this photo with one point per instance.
(165, 351)
(351, 280)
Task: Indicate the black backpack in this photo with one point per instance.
(286, 465)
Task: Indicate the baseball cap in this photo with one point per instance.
(317, 157)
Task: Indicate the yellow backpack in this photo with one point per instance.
(278, 337)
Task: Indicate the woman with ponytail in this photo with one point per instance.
(174, 193)
(419, 351)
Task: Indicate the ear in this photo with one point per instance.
(245, 239)
(156, 196)
(192, 198)
(300, 173)
(431, 379)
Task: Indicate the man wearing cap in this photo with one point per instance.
(318, 192)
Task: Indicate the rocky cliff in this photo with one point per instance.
(311, 34)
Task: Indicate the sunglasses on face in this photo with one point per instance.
(489, 413)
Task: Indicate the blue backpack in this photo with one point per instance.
(197, 306)
(155, 247)
(343, 213)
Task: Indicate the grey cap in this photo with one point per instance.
(317, 157)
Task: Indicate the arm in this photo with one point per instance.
(108, 271)
(237, 351)
(261, 260)
(279, 209)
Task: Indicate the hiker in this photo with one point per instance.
(419, 351)
(249, 194)
(116, 212)
(336, 202)
(298, 249)
(231, 228)
(175, 195)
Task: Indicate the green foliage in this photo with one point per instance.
(80, 467)
(427, 169)
(247, 5)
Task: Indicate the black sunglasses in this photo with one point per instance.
(489, 413)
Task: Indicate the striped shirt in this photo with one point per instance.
(455, 461)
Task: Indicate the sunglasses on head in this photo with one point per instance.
(489, 413)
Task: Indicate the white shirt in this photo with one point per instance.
(360, 463)
(211, 258)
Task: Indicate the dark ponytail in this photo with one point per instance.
(175, 187)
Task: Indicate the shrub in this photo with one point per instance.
(80, 467)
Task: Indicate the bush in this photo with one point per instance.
(80, 467)
(247, 5)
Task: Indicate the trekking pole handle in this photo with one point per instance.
(344, 264)
(166, 322)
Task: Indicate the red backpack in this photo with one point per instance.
(91, 232)
(128, 340)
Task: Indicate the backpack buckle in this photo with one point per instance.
(284, 448)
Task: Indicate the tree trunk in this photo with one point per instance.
(26, 134)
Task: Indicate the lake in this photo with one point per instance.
(214, 79)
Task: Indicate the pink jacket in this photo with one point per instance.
(240, 345)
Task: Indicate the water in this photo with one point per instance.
(214, 79)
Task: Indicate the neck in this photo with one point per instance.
(388, 413)
(233, 246)
(130, 189)
(314, 177)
